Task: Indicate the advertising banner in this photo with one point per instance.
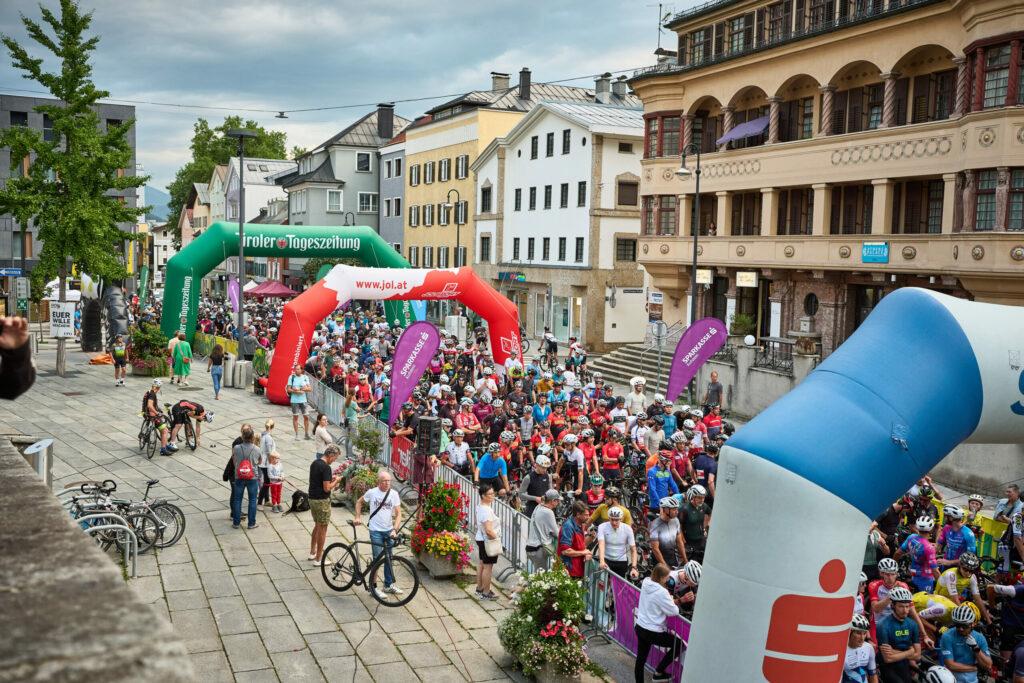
(417, 345)
(698, 343)
(62, 319)
(233, 294)
(626, 598)
(401, 457)
(143, 284)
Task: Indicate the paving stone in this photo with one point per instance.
(392, 671)
(339, 670)
(204, 662)
(308, 611)
(257, 588)
(440, 674)
(328, 645)
(231, 616)
(280, 634)
(261, 676)
(180, 600)
(478, 662)
(149, 589)
(197, 629)
(268, 609)
(209, 561)
(297, 667)
(220, 584)
(246, 653)
(180, 577)
(294, 584)
(345, 607)
(469, 613)
(408, 637)
(423, 654)
(444, 632)
(176, 554)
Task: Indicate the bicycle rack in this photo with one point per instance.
(119, 524)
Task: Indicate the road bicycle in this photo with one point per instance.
(149, 436)
(342, 567)
(157, 523)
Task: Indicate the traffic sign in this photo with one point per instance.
(22, 305)
(10, 272)
(21, 288)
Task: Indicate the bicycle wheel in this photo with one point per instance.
(190, 434)
(341, 570)
(151, 444)
(173, 519)
(146, 527)
(406, 580)
(525, 344)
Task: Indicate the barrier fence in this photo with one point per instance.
(202, 344)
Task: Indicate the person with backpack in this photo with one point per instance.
(245, 457)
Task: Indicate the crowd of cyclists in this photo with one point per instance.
(632, 476)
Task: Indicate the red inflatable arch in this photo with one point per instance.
(344, 283)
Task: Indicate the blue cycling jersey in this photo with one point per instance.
(953, 647)
(491, 468)
(659, 483)
(957, 542)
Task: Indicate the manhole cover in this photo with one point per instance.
(73, 393)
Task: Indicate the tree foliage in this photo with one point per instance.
(211, 147)
(313, 265)
(66, 192)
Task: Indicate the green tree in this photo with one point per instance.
(312, 266)
(297, 152)
(67, 189)
(211, 147)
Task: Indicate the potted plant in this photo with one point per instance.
(437, 541)
(742, 324)
(543, 631)
(368, 440)
(359, 483)
(147, 352)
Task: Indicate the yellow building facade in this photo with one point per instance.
(888, 151)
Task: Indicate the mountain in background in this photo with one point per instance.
(159, 201)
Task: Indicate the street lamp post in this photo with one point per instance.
(684, 172)
(455, 218)
(241, 134)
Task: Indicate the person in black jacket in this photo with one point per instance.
(17, 371)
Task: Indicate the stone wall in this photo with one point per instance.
(66, 613)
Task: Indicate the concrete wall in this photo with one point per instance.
(66, 613)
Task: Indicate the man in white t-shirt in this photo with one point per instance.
(385, 518)
(636, 401)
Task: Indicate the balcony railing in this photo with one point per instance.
(726, 354)
(776, 353)
(817, 29)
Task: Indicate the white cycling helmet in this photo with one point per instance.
(458, 432)
(669, 503)
(939, 674)
(157, 383)
(963, 614)
(615, 513)
(696, 491)
(860, 623)
(925, 523)
(696, 412)
(543, 460)
(542, 451)
(659, 398)
(689, 424)
(887, 565)
(494, 448)
(691, 570)
(445, 422)
(679, 437)
(466, 402)
(569, 438)
(637, 381)
(900, 594)
(953, 512)
(863, 577)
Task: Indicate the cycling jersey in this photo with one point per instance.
(704, 466)
(859, 664)
(150, 396)
(1012, 611)
(613, 450)
(595, 497)
(951, 582)
(934, 607)
(878, 592)
(956, 542)
(659, 483)
(900, 635)
(953, 647)
(457, 455)
(491, 468)
(466, 421)
(922, 555)
(181, 409)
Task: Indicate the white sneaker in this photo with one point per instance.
(393, 589)
(185, 383)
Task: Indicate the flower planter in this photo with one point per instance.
(156, 371)
(439, 567)
(547, 674)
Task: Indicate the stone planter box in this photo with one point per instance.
(439, 567)
(547, 675)
(158, 371)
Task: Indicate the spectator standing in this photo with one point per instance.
(321, 436)
(1007, 507)
(119, 353)
(383, 523)
(215, 366)
(486, 529)
(275, 477)
(572, 548)
(543, 531)
(247, 344)
(247, 478)
(267, 446)
(653, 611)
(182, 355)
(321, 482)
(297, 388)
(714, 393)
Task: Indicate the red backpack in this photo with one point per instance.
(245, 470)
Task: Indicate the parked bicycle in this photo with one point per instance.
(149, 436)
(342, 567)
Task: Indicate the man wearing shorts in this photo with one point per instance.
(184, 410)
(297, 388)
(321, 482)
(119, 352)
(151, 409)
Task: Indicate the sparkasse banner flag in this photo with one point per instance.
(417, 345)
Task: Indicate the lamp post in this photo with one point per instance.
(684, 172)
(455, 218)
(241, 134)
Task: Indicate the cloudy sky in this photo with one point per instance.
(304, 54)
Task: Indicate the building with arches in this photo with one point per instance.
(893, 156)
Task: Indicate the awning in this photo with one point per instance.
(744, 130)
(251, 284)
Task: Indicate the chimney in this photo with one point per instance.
(524, 84)
(499, 81)
(386, 121)
(619, 87)
(602, 89)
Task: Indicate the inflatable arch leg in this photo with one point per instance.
(344, 283)
(922, 374)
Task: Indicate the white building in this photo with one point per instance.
(558, 219)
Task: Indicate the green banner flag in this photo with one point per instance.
(143, 284)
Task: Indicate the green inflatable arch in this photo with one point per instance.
(186, 269)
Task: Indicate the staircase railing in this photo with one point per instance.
(672, 336)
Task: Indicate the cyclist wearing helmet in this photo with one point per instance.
(638, 434)
(612, 498)
(151, 409)
(954, 539)
(975, 502)
(541, 409)
(616, 545)
(182, 411)
(713, 420)
(859, 666)
(939, 674)
(492, 469)
(960, 581)
(963, 650)
(609, 454)
(573, 464)
(497, 422)
(595, 495)
(923, 566)
(467, 421)
(586, 437)
(898, 639)
(666, 536)
(541, 435)
(619, 411)
(858, 599)
(879, 594)
(458, 456)
(1011, 616)
(536, 483)
(655, 433)
(636, 401)
(694, 518)
(660, 483)
(705, 469)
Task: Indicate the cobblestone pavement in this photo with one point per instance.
(248, 604)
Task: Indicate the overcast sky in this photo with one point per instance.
(263, 54)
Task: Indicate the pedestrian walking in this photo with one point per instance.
(486, 530)
(297, 388)
(321, 482)
(247, 478)
(119, 352)
(267, 446)
(321, 437)
(171, 343)
(275, 476)
(215, 366)
(384, 521)
(182, 355)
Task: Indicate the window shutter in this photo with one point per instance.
(902, 86)
(839, 112)
(710, 134)
(748, 30)
(787, 18)
(912, 217)
(800, 16)
(922, 94)
(830, 12)
(783, 212)
(719, 38)
(788, 114)
(761, 30)
(681, 53)
(844, 9)
(856, 104)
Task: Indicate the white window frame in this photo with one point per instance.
(398, 206)
(428, 173)
(461, 166)
(428, 215)
(444, 170)
(414, 256)
(414, 175)
(442, 215)
(374, 202)
(387, 208)
(460, 212)
(414, 216)
(387, 168)
(341, 201)
(428, 257)
(369, 158)
(442, 257)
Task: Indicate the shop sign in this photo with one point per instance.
(746, 278)
(703, 276)
(874, 252)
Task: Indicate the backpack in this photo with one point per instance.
(245, 470)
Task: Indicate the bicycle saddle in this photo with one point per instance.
(153, 482)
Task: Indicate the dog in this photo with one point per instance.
(300, 502)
